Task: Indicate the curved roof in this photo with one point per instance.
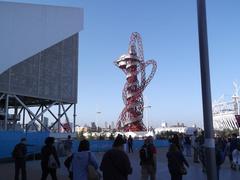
(27, 29)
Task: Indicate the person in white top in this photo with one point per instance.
(195, 147)
(236, 157)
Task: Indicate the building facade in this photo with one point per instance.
(39, 63)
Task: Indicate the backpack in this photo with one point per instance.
(17, 152)
(146, 155)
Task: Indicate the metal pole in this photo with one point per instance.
(42, 118)
(30, 112)
(59, 116)
(15, 117)
(24, 119)
(6, 113)
(206, 92)
(67, 119)
(74, 118)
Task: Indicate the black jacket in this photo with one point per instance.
(20, 151)
(46, 151)
(175, 161)
(115, 165)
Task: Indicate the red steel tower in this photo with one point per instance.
(133, 65)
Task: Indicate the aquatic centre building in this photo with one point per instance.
(39, 64)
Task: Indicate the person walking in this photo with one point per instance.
(115, 164)
(176, 163)
(81, 160)
(233, 145)
(202, 150)
(228, 153)
(125, 144)
(49, 159)
(187, 145)
(148, 160)
(175, 140)
(236, 158)
(220, 154)
(68, 145)
(195, 146)
(19, 156)
(130, 144)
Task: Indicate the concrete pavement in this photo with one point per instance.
(194, 172)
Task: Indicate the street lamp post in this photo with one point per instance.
(147, 116)
(206, 92)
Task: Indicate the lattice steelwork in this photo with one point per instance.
(224, 113)
(42, 81)
(133, 65)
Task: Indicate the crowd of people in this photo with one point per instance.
(115, 164)
(224, 147)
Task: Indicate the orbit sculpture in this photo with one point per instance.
(133, 65)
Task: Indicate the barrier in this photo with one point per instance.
(8, 139)
(35, 141)
(104, 145)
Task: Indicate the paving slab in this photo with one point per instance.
(194, 172)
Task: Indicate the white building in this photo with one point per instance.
(179, 129)
(225, 114)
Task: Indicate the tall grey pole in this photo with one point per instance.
(24, 120)
(15, 117)
(74, 118)
(6, 113)
(59, 117)
(42, 118)
(206, 92)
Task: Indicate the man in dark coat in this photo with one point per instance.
(130, 144)
(148, 159)
(176, 162)
(115, 163)
(49, 159)
(19, 156)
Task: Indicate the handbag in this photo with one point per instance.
(183, 170)
(52, 163)
(93, 174)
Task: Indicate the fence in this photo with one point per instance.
(35, 141)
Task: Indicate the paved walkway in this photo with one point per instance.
(194, 172)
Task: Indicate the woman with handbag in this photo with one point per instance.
(176, 162)
(49, 159)
(84, 164)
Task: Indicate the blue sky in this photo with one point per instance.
(170, 36)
